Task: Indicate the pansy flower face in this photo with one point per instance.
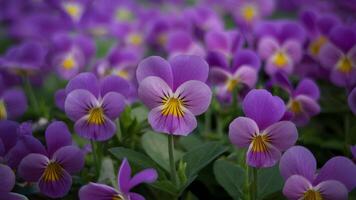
(175, 91)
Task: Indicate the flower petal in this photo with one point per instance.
(32, 167)
(246, 57)
(294, 49)
(8, 134)
(144, 176)
(113, 104)
(7, 179)
(13, 196)
(332, 190)
(246, 75)
(71, 158)
(114, 83)
(124, 176)
(309, 88)
(15, 103)
(282, 135)
(135, 196)
(329, 55)
(263, 159)
(241, 131)
(352, 100)
(218, 76)
(295, 187)
(263, 108)
(58, 188)
(151, 91)
(155, 66)
(188, 67)
(78, 103)
(196, 96)
(298, 160)
(344, 37)
(96, 191)
(267, 47)
(57, 136)
(85, 81)
(59, 98)
(98, 132)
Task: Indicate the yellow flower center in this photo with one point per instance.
(249, 12)
(68, 63)
(259, 143)
(135, 39)
(231, 84)
(123, 74)
(53, 172)
(124, 15)
(96, 116)
(316, 45)
(312, 195)
(344, 65)
(118, 197)
(3, 112)
(73, 9)
(280, 59)
(173, 106)
(295, 106)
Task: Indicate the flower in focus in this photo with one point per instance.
(280, 45)
(333, 181)
(7, 182)
(53, 167)
(175, 91)
(94, 104)
(261, 131)
(125, 184)
(339, 56)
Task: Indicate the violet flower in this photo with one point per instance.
(261, 131)
(97, 191)
(280, 45)
(13, 103)
(8, 138)
(181, 42)
(352, 100)
(175, 91)
(53, 167)
(339, 56)
(333, 181)
(94, 104)
(7, 182)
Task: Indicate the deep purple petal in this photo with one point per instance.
(218, 76)
(99, 132)
(263, 108)
(135, 196)
(217, 41)
(282, 134)
(291, 30)
(298, 160)
(245, 57)
(308, 87)
(295, 187)
(114, 83)
(57, 136)
(263, 159)
(342, 79)
(59, 98)
(155, 66)
(32, 167)
(7, 179)
(58, 188)
(124, 176)
(151, 91)
(71, 158)
(172, 124)
(338, 168)
(113, 104)
(241, 131)
(267, 47)
(15, 103)
(186, 67)
(85, 81)
(196, 95)
(343, 37)
(144, 176)
(13, 196)
(217, 59)
(8, 130)
(78, 102)
(96, 191)
(332, 190)
(352, 100)
(246, 75)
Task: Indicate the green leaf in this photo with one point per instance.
(200, 156)
(107, 172)
(269, 181)
(166, 186)
(190, 141)
(156, 146)
(230, 176)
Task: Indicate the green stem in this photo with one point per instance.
(207, 122)
(31, 94)
(171, 159)
(96, 161)
(118, 130)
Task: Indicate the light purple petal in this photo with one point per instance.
(114, 83)
(309, 108)
(113, 104)
(155, 66)
(332, 190)
(78, 103)
(144, 176)
(298, 160)
(71, 158)
(57, 136)
(7, 179)
(329, 55)
(96, 191)
(196, 96)
(151, 91)
(343, 79)
(282, 134)
(135, 196)
(295, 187)
(245, 57)
(352, 101)
(263, 159)
(294, 49)
(124, 176)
(263, 108)
(338, 168)
(85, 81)
(32, 167)
(56, 189)
(241, 131)
(308, 87)
(246, 75)
(171, 124)
(13, 196)
(218, 76)
(98, 132)
(187, 67)
(267, 47)
(15, 103)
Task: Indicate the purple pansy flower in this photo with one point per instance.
(175, 91)
(280, 45)
(352, 100)
(222, 42)
(53, 167)
(332, 181)
(7, 182)
(94, 104)
(181, 42)
(339, 56)
(13, 103)
(261, 131)
(96, 191)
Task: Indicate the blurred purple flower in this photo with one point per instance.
(7, 183)
(94, 104)
(332, 181)
(52, 167)
(97, 191)
(175, 91)
(8, 138)
(181, 42)
(13, 103)
(261, 131)
(223, 42)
